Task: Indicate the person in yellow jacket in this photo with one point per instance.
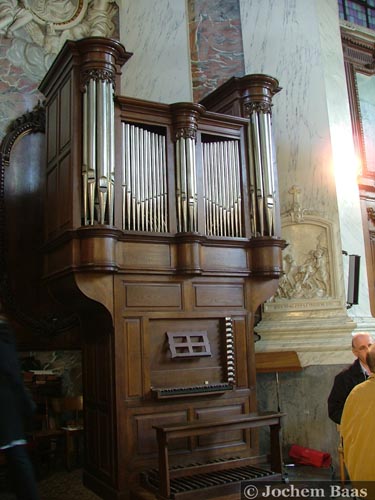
(358, 427)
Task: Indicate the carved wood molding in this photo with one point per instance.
(30, 122)
(359, 50)
(359, 55)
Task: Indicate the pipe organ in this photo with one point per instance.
(221, 188)
(98, 148)
(144, 174)
(162, 233)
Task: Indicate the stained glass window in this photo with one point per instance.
(360, 12)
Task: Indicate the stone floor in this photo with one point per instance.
(61, 485)
(64, 485)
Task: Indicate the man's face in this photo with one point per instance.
(361, 345)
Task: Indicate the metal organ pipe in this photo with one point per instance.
(102, 149)
(185, 121)
(258, 167)
(147, 176)
(144, 166)
(144, 180)
(267, 169)
(155, 182)
(222, 188)
(158, 184)
(111, 155)
(263, 196)
(91, 147)
(252, 190)
(98, 155)
(182, 149)
(238, 212)
(84, 158)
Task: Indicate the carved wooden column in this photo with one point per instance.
(98, 77)
(79, 90)
(185, 117)
(256, 105)
(251, 97)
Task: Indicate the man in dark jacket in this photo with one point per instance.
(16, 407)
(349, 377)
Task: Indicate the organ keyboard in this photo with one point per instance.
(196, 390)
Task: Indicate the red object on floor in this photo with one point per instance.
(308, 456)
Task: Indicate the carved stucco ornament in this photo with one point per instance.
(37, 29)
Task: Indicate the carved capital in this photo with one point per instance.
(98, 75)
(185, 117)
(185, 133)
(256, 107)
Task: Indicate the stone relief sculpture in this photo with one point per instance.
(307, 279)
(306, 265)
(38, 28)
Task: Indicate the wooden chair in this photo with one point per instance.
(67, 415)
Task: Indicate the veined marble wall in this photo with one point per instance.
(156, 33)
(215, 44)
(182, 49)
(299, 44)
(65, 364)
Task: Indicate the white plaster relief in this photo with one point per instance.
(309, 278)
(308, 311)
(38, 29)
(308, 262)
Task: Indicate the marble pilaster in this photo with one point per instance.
(299, 44)
(157, 34)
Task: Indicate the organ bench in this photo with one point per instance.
(195, 473)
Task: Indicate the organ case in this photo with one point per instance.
(162, 233)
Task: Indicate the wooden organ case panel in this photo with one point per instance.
(165, 241)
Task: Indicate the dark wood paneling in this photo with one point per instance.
(65, 122)
(52, 118)
(105, 446)
(168, 372)
(52, 202)
(145, 256)
(145, 434)
(152, 295)
(220, 259)
(215, 295)
(133, 342)
(64, 189)
(92, 448)
(242, 358)
(229, 438)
